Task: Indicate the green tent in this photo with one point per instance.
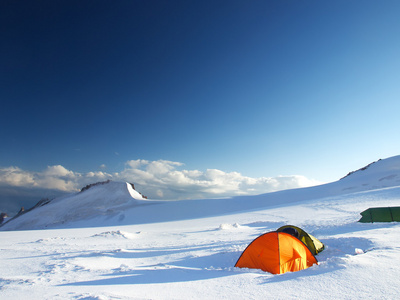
(380, 214)
(311, 242)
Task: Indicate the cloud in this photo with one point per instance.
(164, 179)
(161, 179)
(58, 171)
(16, 177)
(53, 178)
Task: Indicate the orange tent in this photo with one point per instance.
(277, 253)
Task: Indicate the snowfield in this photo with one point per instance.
(109, 243)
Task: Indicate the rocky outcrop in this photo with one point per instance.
(94, 184)
(361, 169)
(2, 217)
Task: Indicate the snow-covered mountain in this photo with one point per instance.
(109, 243)
(117, 203)
(104, 199)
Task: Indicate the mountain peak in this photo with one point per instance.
(382, 173)
(106, 198)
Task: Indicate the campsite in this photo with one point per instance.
(220, 149)
(188, 249)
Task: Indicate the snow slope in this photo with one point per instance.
(187, 250)
(101, 200)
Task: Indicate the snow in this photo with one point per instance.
(127, 247)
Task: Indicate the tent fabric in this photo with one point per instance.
(277, 253)
(380, 214)
(310, 241)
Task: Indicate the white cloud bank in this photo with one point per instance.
(159, 179)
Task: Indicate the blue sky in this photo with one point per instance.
(261, 88)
